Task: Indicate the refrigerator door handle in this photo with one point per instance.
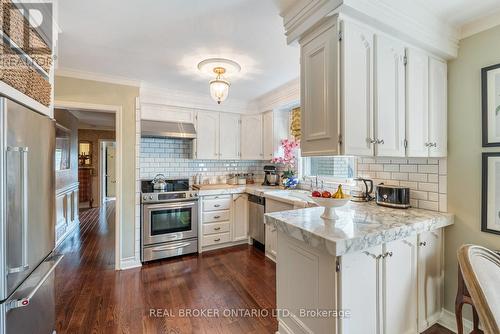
(25, 301)
(23, 152)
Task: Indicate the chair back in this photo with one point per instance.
(481, 272)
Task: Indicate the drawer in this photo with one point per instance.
(216, 216)
(216, 228)
(217, 197)
(216, 204)
(215, 239)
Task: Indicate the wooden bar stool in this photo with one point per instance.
(478, 286)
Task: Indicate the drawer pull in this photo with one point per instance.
(216, 228)
(216, 217)
(217, 240)
(216, 205)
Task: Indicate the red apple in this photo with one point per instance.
(326, 194)
(316, 194)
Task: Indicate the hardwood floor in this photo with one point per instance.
(91, 297)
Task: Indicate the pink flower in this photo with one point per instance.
(289, 150)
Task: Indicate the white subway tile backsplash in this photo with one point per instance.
(426, 178)
(173, 157)
(428, 169)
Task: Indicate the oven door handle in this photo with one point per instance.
(171, 206)
(171, 247)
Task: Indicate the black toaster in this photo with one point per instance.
(393, 196)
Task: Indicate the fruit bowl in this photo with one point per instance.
(330, 204)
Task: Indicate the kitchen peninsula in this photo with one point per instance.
(382, 267)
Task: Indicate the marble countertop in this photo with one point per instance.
(297, 198)
(360, 226)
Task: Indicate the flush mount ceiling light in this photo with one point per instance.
(219, 87)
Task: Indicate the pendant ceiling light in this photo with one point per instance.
(219, 87)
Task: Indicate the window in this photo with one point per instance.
(337, 167)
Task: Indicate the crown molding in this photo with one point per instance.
(101, 77)
(479, 25)
(406, 20)
(284, 96)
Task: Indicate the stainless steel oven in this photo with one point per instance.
(169, 220)
(164, 222)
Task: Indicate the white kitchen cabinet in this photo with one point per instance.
(251, 137)
(271, 233)
(357, 96)
(159, 112)
(275, 128)
(240, 217)
(438, 119)
(389, 97)
(359, 282)
(430, 278)
(207, 135)
(229, 136)
(417, 103)
(379, 287)
(399, 286)
(320, 90)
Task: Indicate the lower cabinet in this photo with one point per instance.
(224, 221)
(271, 233)
(430, 278)
(393, 288)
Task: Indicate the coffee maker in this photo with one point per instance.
(271, 177)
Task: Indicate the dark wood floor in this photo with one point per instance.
(92, 297)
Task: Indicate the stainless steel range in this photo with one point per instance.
(169, 219)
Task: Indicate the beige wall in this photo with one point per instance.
(94, 136)
(65, 178)
(93, 92)
(464, 157)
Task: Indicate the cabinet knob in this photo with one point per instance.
(387, 254)
(380, 141)
(216, 217)
(216, 228)
(371, 141)
(217, 240)
(423, 243)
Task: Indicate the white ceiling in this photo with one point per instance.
(161, 42)
(461, 12)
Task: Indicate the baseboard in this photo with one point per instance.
(448, 320)
(129, 263)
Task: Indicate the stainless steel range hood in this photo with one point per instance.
(162, 129)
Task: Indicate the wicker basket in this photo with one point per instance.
(14, 70)
(39, 88)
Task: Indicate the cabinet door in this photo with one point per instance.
(389, 97)
(271, 242)
(399, 276)
(359, 291)
(251, 137)
(207, 135)
(319, 92)
(229, 136)
(357, 76)
(437, 108)
(268, 135)
(240, 217)
(430, 278)
(417, 107)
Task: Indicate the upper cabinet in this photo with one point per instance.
(207, 135)
(320, 91)
(159, 112)
(417, 107)
(392, 96)
(357, 96)
(438, 119)
(276, 126)
(389, 97)
(251, 137)
(229, 137)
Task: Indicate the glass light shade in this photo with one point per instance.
(219, 89)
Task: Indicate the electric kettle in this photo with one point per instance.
(361, 190)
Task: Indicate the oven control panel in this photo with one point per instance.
(169, 196)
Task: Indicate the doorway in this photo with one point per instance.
(108, 170)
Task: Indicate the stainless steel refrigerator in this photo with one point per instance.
(27, 141)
